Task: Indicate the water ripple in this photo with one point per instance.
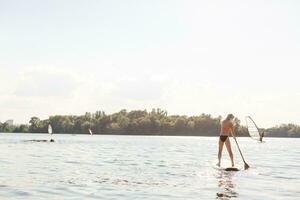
(150, 168)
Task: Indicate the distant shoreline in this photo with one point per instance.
(142, 122)
(173, 135)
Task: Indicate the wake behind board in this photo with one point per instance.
(39, 140)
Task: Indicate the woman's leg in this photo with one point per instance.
(221, 144)
(228, 147)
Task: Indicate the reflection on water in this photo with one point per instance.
(226, 185)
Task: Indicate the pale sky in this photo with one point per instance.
(188, 57)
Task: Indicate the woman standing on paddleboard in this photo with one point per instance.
(226, 131)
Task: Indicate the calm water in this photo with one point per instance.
(144, 167)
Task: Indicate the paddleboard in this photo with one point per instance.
(226, 167)
(233, 169)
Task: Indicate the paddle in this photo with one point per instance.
(237, 144)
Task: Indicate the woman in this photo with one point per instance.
(226, 131)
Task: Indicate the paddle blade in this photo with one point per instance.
(246, 166)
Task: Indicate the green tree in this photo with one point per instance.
(35, 123)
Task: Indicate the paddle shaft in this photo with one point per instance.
(237, 144)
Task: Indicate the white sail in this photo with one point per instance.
(253, 129)
(90, 131)
(50, 129)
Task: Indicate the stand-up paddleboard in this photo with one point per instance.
(226, 166)
(232, 169)
(228, 169)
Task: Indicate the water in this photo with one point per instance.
(144, 167)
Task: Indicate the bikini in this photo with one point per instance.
(223, 138)
(224, 130)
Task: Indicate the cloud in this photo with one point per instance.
(46, 82)
(42, 91)
(142, 89)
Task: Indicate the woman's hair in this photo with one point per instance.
(229, 117)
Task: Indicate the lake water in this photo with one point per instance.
(144, 167)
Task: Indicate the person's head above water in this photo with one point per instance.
(229, 117)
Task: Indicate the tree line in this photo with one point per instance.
(140, 122)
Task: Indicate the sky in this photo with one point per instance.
(186, 56)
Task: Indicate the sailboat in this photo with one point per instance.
(90, 131)
(50, 131)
